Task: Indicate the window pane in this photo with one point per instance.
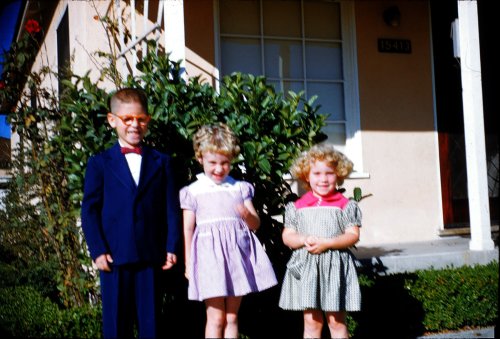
(282, 18)
(240, 17)
(285, 86)
(240, 55)
(324, 61)
(300, 46)
(336, 135)
(316, 14)
(283, 59)
(330, 97)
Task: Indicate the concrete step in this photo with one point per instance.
(409, 257)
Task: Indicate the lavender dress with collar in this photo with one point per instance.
(327, 281)
(227, 259)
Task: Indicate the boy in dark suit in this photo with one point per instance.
(131, 220)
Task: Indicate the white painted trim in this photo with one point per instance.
(145, 18)
(133, 32)
(351, 89)
(174, 31)
(57, 22)
(218, 62)
(120, 31)
(159, 17)
(437, 168)
(134, 43)
(359, 175)
(475, 149)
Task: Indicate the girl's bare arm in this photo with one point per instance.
(189, 222)
(348, 239)
(249, 214)
(293, 239)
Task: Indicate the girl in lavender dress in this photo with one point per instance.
(224, 258)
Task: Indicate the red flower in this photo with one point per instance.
(32, 26)
(2, 85)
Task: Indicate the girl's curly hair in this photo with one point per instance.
(341, 165)
(217, 138)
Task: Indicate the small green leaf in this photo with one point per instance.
(357, 194)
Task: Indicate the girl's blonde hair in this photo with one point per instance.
(216, 138)
(341, 165)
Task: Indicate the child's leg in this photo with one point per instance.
(313, 323)
(232, 307)
(117, 303)
(337, 324)
(216, 317)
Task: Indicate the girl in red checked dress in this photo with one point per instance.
(320, 227)
(224, 258)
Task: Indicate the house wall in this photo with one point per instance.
(87, 35)
(399, 141)
(400, 150)
(200, 40)
(199, 26)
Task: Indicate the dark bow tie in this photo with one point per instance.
(126, 150)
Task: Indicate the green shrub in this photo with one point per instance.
(406, 305)
(39, 223)
(58, 135)
(25, 313)
(41, 243)
(457, 297)
(81, 322)
(27, 270)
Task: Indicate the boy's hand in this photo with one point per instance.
(103, 262)
(170, 262)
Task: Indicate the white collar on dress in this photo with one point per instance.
(228, 181)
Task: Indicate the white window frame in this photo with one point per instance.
(353, 146)
(351, 89)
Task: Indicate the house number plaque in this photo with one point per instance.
(394, 46)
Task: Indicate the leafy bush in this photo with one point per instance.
(59, 131)
(459, 297)
(80, 322)
(25, 313)
(272, 129)
(39, 231)
(407, 305)
(39, 223)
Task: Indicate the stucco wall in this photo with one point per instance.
(399, 142)
(400, 150)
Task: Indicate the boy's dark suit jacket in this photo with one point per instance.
(135, 224)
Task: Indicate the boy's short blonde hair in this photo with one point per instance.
(341, 165)
(216, 138)
(128, 95)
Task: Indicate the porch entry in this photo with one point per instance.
(450, 114)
